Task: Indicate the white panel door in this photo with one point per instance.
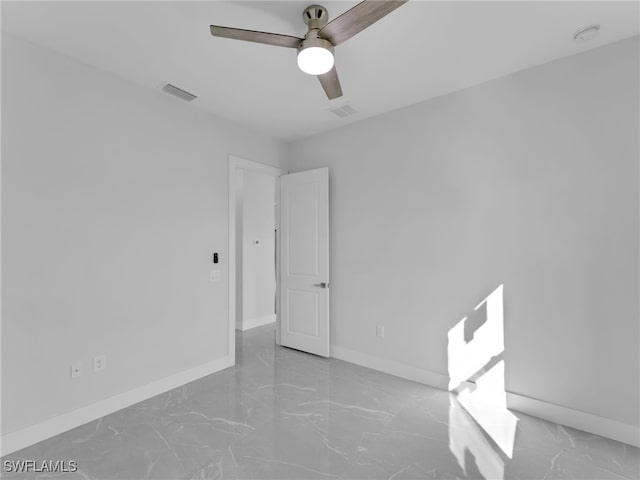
(304, 267)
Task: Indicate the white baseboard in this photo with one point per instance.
(391, 367)
(20, 439)
(587, 422)
(605, 427)
(256, 322)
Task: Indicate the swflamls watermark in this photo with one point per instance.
(40, 466)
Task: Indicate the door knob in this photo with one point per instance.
(321, 285)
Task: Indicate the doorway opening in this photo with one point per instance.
(253, 239)
(299, 250)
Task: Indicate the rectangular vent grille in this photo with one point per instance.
(178, 92)
(344, 111)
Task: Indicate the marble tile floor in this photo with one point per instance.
(282, 414)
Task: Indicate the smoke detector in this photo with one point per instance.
(587, 33)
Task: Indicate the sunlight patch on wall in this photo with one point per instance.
(471, 349)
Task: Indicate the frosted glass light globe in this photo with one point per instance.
(315, 60)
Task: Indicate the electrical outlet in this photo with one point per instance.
(380, 331)
(99, 363)
(214, 276)
(76, 369)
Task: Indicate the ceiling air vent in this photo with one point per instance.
(178, 92)
(343, 111)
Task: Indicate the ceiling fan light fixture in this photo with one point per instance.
(315, 56)
(315, 50)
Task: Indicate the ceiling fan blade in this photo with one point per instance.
(331, 84)
(358, 18)
(254, 36)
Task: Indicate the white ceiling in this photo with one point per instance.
(422, 50)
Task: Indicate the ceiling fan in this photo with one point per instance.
(315, 50)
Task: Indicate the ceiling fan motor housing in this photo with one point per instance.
(315, 41)
(315, 17)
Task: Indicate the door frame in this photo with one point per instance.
(236, 163)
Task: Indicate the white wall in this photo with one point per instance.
(530, 181)
(113, 199)
(239, 244)
(258, 262)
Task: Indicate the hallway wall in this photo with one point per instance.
(258, 259)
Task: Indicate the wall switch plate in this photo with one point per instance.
(380, 331)
(215, 276)
(76, 369)
(99, 363)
